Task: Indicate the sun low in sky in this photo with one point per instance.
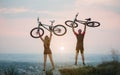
(62, 48)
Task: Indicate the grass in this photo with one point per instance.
(109, 68)
(78, 71)
(105, 68)
(49, 72)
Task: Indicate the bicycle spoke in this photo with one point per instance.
(71, 24)
(93, 24)
(36, 31)
(59, 30)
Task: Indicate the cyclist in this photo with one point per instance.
(79, 45)
(47, 51)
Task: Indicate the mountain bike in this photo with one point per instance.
(58, 30)
(87, 22)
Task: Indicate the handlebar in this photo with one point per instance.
(38, 19)
(88, 19)
(39, 22)
(77, 14)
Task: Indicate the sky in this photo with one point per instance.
(18, 17)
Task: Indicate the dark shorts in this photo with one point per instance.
(79, 48)
(47, 51)
(81, 51)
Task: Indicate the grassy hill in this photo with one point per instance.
(105, 68)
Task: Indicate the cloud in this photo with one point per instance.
(107, 2)
(112, 5)
(13, 10)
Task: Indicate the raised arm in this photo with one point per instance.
(41, 37)
(50, 35)
(74, 31)
(84, 28)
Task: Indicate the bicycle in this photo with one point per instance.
(88, 22)
(58, 30)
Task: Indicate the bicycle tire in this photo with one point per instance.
(34, 33)
(59, 30)
(93, 24)
(69, 24)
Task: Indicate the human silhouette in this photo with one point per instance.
(80, 44)
(47, 51)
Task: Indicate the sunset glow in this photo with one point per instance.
(17, 18)
(62, 48)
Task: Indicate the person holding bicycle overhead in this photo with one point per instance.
(47, 51)
(80, 35)
(80, 44)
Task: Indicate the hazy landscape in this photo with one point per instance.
(32, 64)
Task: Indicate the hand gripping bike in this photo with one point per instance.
(58, 30)
(87, 22)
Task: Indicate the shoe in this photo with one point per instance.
(43, 69)
(83, 63)
(75, 64)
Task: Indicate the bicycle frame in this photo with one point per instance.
(45, 26)
(88, 22)
(58, 30)
(80, 21)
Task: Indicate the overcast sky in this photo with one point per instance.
(18, 17)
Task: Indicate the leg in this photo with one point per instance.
(83, 59)
(51, 60)
(76, 57)
(45, 58)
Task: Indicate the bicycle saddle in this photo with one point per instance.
(52, 21)
(88, 19)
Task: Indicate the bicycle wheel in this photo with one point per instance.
(34, 32)
(59, 30)
(69, 23)
(93, 24)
